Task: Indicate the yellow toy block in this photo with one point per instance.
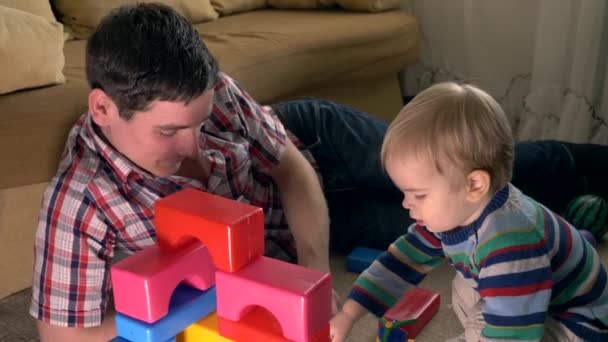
(204, 330)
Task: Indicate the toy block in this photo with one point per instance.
(204, 330)
(394, 335)
(232, 231)
(419, 304)
(120, 339)
(260, 325)
(378, 340)
(361, 258)
(144, 282)
(188, 305)
(299, 297)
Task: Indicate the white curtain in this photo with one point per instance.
(545, 61)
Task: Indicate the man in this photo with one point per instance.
(163, 118)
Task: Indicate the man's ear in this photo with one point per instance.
(478, 185)
(103, 110)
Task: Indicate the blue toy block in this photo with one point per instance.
(120, 339)
(360, 258)
(395, 335)
(187, 306)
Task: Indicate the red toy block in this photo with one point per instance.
(260, 325)
(417, 303)
(299, 297)
(144, 282)
(232, 231)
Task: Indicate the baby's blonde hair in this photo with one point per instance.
(456, 126)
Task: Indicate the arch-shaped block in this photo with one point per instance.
(258, 324)
(232, 231)
(144, 282)
(188, 305)
(298, 297)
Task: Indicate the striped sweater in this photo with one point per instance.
(525, 262)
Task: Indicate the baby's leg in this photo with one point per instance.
(467, 306)
(555, 331)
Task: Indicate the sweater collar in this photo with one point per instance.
(462, 233)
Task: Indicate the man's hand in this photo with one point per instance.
(52, 333)
(336, 302)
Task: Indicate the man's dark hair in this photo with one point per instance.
(147, 52)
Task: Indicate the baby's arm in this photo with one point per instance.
(394, 272)
(342, 322)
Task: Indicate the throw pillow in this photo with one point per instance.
(225, 7)
(37, 7)
(82, 16)
(31, 51)
(301, 4)
(368, 5)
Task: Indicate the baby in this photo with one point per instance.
(523, 273)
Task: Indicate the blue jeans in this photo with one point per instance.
(364, 205)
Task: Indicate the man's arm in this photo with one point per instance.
(53, 333)
(305, 207)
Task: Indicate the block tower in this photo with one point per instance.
(207, 280)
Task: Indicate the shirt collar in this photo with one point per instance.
(121, 165)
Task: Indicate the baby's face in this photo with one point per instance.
(433, 199)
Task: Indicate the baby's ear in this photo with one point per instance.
(478, 185)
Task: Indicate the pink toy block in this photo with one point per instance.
(233, 231)
(298, 297)
(144, 282)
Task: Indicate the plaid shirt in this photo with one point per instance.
(100, 204)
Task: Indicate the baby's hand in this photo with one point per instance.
(339, 326)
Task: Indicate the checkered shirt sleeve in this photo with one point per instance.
(72, 250)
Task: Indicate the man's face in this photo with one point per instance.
(159, 138)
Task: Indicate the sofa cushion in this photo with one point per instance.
(41, 117)
(31, 51)
(225, 7)
(314, 48)
(82, 16)
(301, 4)
(368, 5)
(259, 49)
(37, 7)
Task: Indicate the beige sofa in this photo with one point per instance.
(277, 54)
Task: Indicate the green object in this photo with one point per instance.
(588, 212)
(390, 325)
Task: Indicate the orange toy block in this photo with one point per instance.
(298, 297)
(144, 282)
(232, 231)
(260, 325)
(204, 330)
